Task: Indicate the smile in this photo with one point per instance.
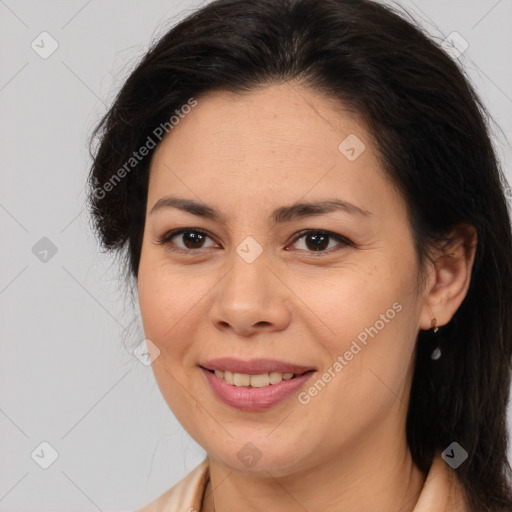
(254, 381)
(258, 390)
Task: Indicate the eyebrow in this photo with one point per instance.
(279, 215)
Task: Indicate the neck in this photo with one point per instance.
(372, 476)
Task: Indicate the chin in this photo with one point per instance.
(259, 456)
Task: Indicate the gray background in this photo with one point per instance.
(67, 375)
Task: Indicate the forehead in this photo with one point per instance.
(274, 117)
(282, 124)
(281, 140)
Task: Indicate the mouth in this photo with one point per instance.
(254, 366)
(254, 385)
(260, 380)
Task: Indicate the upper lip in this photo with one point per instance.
(254, 366)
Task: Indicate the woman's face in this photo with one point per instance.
(251, 279)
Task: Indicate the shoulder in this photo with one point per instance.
(186, 495)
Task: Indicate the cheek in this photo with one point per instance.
(368, 314)
(169, 301)
(353, 298)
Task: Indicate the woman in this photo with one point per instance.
(314, 217)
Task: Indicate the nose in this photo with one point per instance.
(251, 299)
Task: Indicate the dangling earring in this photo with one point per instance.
(436, 354)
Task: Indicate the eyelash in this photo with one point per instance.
(343, 241)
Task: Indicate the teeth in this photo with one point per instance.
(259, 381)
(275, 377)
(255, 381)
(241, 379)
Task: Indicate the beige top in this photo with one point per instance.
(441, 491)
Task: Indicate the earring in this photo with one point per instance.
(436, 354)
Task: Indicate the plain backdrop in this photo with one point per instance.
(68, 377)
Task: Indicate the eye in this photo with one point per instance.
(314, 240)
(187, 239)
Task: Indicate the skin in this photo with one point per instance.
(246, 155)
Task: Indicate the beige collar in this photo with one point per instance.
(441, 491)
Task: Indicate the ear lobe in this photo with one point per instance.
(448, 284)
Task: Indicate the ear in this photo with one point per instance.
(448, 277)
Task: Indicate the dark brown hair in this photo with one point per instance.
(432, 135)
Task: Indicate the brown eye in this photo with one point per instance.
(192, 239)
(187, 239)
(319, 241)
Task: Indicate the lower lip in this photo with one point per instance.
(254, 399)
